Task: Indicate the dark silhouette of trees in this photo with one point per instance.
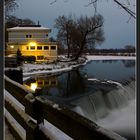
(78, 34)
(12, 21)
(129, 47)
(65, 26)
(10, 6)
(19, 57)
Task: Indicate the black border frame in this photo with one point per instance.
(138, 74)
(1, 68)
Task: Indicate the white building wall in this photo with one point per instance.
(18, 37)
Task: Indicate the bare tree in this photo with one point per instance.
(130, 48)
(124, 4)
(10, 6)
(89, 32)
(12, 21)
(65, 26)
(80, 33)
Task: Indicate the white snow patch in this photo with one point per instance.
(16, 124)
(93, 79)
(19, 85)
(53, 132)
(114, 82)
(55, 106)
(6, 93)
(33, 69)
(95, 57)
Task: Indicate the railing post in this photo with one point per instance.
(33, 109)
(32, 133)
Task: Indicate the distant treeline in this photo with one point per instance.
(104, 51)
(111, 50)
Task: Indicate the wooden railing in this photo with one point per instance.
(36, 110)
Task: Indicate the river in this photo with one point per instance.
(102, 91)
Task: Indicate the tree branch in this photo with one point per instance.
(125, 8)
(130, 12)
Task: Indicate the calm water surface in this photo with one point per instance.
(109, 104)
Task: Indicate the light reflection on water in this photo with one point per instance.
(104, 103)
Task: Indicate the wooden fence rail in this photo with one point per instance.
(37, 109)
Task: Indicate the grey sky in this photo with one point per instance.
(118, 32)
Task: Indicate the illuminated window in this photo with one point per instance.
(11, 46)
(32, 47)
(53, 82)
(40, 83)
(53, 47)
(33, 86)
(40, 57)
(46, 47)
(47, 82)
(39, 47)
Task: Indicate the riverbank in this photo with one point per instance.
(55, 68)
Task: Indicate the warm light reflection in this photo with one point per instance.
(33, 86)
(11, 46)
(32, 44)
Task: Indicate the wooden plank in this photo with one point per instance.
(15, 132)
(17, 90)
(72, 123)
(40, 135)
(32, 109)
(23, 119)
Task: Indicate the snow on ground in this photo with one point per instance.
(33, 69)
(97, 57)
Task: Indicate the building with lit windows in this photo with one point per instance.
(31, 41)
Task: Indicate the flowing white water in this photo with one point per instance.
(114, 110)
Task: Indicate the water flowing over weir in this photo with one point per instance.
(93, 92)
(100, 105)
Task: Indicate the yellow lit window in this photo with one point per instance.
(33, 86)
(32, 44)
(46, 47)
(40, 57)
(32, 47)
(39, 47)
(47, 82)
(11, 46)
(53, 82)
(40, 83)
(53, 47)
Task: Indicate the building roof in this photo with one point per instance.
(28, 28)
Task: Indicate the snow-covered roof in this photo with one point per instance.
(28, 28)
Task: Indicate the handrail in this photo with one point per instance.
(37, 109)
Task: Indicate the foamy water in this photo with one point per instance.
(115, 110)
